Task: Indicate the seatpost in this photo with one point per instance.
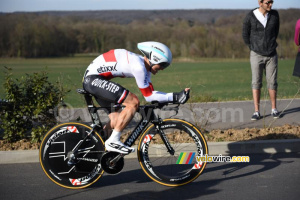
(93, 111)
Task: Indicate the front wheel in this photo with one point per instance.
(69, 168)
(172, 168)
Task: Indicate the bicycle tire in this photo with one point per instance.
(53, 155)
(167, 169)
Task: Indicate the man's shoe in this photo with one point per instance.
(119, 147)
(275, 113)
(255, 116)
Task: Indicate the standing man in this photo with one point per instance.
(260, 31)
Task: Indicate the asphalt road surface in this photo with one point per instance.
(267, 176)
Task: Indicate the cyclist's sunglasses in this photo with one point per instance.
(268, 2)
(164, 65)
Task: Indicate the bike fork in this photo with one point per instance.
(165, 139)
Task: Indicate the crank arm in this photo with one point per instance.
(116, 159)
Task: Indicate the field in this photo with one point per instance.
(209, 79)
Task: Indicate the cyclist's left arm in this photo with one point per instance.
(159, 96)
(142, 77)
(143, 80)
(176, 97)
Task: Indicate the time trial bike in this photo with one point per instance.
(73, 154)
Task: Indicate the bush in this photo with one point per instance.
(29, 107)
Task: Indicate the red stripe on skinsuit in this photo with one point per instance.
(146, 91)
(107, 75)
(110, 56)
(150, 85)
(123, 97)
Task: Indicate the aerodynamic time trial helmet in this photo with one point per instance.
(156, 52)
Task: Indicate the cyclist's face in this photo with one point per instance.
(156, 68)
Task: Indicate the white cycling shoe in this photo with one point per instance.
(117, 146)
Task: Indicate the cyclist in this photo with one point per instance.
(123, 63)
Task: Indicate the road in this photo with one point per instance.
(267, 176)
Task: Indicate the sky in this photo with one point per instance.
(77, 5)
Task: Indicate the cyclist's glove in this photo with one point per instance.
(181, 97)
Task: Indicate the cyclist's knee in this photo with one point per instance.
(132, 101)
(135, 102)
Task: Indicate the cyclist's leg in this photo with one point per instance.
(108, 94)
(108, 127)
(132, 104)
(119, 122)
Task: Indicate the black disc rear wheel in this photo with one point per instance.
(58, 147)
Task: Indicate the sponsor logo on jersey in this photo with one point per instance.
(103, 69)
(109, 86)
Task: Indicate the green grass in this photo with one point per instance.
(209, 79)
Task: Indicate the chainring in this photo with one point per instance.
(108, 167)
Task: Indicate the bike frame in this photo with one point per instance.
(146, 112)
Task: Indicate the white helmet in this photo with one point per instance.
(156, 52)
